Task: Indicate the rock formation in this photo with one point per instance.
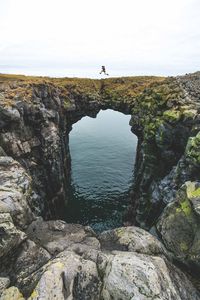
(45, 259)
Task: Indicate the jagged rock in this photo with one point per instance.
(2, 152)
(8, 115)
(192, 151)
(128, 275)
(29, 258)
(56, 236)
(179, 225)
(68, 277)
(120, 275)
(4, 283)
(12, 293)
(10, 236)
(131, 239)
(93, 273)
(36, 117)
(15, 192)
(164, 114)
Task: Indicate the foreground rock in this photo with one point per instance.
(120, 275)
(68, 276)
(68, 261)
(132, 239)
(12, 293)
(44, 241)
(137, 276)
(56, 236)
(179, 225)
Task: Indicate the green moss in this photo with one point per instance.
(66, 103)
(145, 96)
(120, 232)
(184, 247)
(192, 151)
(151, 128)
(186, 207)
(189, 113)
(192, 190)
(34, 294)
(172, 115)
(195, 193)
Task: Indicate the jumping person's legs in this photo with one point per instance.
(104, 72)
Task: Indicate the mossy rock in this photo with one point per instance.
(188, 113)
(192, 151)
(179, 225)
(172, 115)
(12, 293)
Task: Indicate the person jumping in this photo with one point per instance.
(103, 70)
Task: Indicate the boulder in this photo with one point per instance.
(132, 239)
(10, 236)
(129, 276)
(179, 225)
(68, 276)
(56, 236)
(30, 257)
(12, 293)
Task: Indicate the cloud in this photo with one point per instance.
(156, 36)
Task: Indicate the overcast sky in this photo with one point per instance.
(76, 37)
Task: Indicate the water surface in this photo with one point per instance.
(103, 153)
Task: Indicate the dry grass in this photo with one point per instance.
(127, 87)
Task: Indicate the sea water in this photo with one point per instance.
(103, 153)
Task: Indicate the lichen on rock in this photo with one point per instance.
(179, 225)
(49, 259)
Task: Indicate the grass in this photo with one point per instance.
(115, 89)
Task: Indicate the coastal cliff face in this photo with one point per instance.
(36, 116)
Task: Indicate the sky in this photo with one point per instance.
(73, 38)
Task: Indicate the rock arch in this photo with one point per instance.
(37, 116)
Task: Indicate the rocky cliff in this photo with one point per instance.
(46, 259)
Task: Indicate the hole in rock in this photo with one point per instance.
(102, 161)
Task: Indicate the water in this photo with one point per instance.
(103, 153)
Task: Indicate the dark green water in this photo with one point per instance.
(103, 154)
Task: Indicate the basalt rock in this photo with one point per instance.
(98, 271)
(57, 236)
(37, 115)
(138, 276)
(17, 198)
(12, 293)
(11, 237)
(179, 225)
(131, 239)
(45, 259)
(4, 283)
